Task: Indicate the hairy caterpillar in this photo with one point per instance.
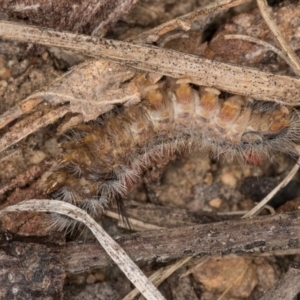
(105, 159)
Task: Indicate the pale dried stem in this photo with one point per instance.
(197, 264)
(200, 71)
(232, 213)
(163, 273)
(159, 276)
(292, 57)
(135, 225)
(282, 184)
(18, 110)
(17, 134)
(117, 254)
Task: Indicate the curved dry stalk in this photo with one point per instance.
(254, 211)
(294, 61)
(270, 209)
(118, 255)
(254, 40)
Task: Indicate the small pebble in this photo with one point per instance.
(229, 179)
(90, 279)
(5, 73)
(208, 179)
(52, 148)
(45, 55)
(215, 203)
(100, 276)
(37, 157)
(3, 86)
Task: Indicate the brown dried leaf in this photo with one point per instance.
(93, 88)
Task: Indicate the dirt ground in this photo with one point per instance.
(194, 182)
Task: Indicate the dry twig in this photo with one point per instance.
(276, 234)
(201, 71)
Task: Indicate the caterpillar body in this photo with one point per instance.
(105, 159)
